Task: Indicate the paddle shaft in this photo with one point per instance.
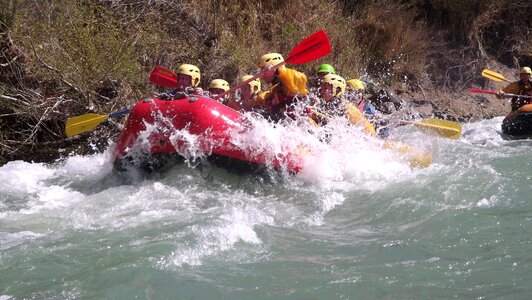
(119, 113)
(243, 83)
(496, 93)
(407, 122)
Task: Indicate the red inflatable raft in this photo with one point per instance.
(165, 128)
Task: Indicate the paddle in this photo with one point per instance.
(493, 75)
(472, 90)
(313, 47)
(80, 124)
(443, 128)
(415, 157)
(163, 77)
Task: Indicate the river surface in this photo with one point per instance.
(356, 223)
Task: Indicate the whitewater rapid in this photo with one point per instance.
(73, 229)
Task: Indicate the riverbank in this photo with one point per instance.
(422, 57)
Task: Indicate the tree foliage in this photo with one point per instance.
(63, 58)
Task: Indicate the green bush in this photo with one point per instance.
(81, 45)
(8, 10)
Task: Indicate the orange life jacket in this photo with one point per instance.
(292, 84)
(524, 89)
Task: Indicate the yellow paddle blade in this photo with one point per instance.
(84, 123)
(443, 128)
(493, 75)
(416, 158)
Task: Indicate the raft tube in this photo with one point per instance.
(518, 124)
(209, 125)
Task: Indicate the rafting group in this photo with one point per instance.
(214, 115)
(187, 119)
(331, 95)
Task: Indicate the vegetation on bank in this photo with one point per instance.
(64, 58)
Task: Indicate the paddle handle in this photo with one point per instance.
(514, 95)
(407, 122)
(119, 113)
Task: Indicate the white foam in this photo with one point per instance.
(11, 239)
(90, 167)
(120, 208)
(234, 226)
(23, 177)
(486, 132)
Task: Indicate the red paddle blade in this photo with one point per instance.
(481, 91)
(163, 77)
(313, 47)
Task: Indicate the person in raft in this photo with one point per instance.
(188, 80)
(217, 87)
(521, 87)
(287, 87)
(333, 103)
(321, 71)
(248, 95)
(355, 93)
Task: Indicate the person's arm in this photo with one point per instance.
(293, 83)
(512, 88)
(356, 117)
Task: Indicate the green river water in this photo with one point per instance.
(355, 225)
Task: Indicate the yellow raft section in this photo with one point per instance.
(416, 158)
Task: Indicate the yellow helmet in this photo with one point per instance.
(270, 59)
(252, 84)
(355, 84)
(337, 82)
(191, 71)
(219, 84)
(525, 70)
